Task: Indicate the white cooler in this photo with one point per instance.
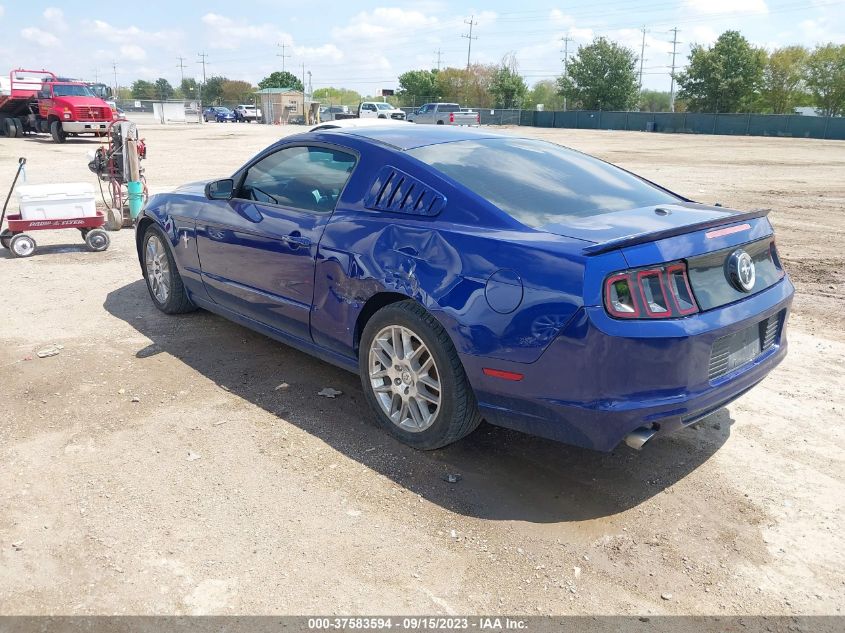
(57, 202)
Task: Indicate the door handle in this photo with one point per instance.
(296, 240)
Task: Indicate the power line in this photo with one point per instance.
(283, 55)
(672, 74)
(470, 37)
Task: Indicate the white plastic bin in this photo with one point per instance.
(57, 201)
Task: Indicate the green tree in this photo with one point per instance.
(782, 79)
(826, 78)
(143, 89)
(601, 76)
(337, 96)
(163, 89)
(545, 92)
(654, 101)
(281, 79)
(507, 87)
(212, 91)
(189, 88)
(236, 91)
(417, 86)
(469, 86)
(724, 78)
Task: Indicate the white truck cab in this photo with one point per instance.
(379, 110)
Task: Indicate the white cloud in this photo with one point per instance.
(384, 22)
(228, 33)
(43, 38)
(728, 6)
(327, 52)
(55, 17)
(118, 35)
(133, 52)
(2, 10)
(704, 35)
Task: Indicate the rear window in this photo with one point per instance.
(448, 107)
(540, 183)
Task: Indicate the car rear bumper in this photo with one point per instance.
(601, 378)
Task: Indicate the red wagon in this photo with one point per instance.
(89, 224)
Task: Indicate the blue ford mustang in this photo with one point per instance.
(467, 276)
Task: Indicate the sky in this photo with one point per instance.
(365, 46)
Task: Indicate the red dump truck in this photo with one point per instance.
(37, 101)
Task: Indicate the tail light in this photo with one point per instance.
(478, 118)
(451, 117)
(773, 252)
(650, 293)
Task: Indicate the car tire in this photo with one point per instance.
(57, 132)
(440, 123)
(432, 404)
(22, 245)
(161, 275)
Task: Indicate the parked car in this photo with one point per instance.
(445, 114)
(468, 276)
(219, 114)
(247, 112)
(329, 112)
(379, 110)
(353, 123)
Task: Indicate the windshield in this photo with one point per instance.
(71, 90)
(384, 106)
(540, 183)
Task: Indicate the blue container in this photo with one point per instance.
(136, 197)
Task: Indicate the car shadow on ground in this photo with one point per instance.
(503, 474)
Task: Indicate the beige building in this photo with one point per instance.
(279, 105)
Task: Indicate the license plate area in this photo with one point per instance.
(736, 350)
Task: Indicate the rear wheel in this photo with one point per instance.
(22, 245)
(6, 237)
(163, 280)
(413, 379)
(57, 132)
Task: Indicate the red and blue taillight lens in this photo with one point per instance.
(658, 292)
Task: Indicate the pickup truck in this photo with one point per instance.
(444, 114)
(379, 110)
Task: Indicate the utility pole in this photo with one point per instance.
(470, 37)
(114, 68)
(675, 43)
(283, 55)
(181, 68)
(202, 57)
(303, 90)
(642, 58)
(437, 52)
(565, 60)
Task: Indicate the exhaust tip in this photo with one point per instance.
(637, 438)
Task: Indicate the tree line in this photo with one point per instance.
(729, 76)
(215, 91)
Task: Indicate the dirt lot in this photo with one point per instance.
(155, 466)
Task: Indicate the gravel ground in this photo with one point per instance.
(159, 465)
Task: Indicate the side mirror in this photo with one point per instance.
(220, 189)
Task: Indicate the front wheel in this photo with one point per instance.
(163, 280)
(413, 379)
(97, 240)
(22, 245)
(57, 132)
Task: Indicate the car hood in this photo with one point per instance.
(664, 219)
(192, 188)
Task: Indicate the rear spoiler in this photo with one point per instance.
(642, 238)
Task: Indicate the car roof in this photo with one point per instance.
(410, 136)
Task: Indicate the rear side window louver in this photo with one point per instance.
(396, 191)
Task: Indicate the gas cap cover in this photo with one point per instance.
(504, 291)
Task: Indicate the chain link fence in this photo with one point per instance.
(173, 111)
